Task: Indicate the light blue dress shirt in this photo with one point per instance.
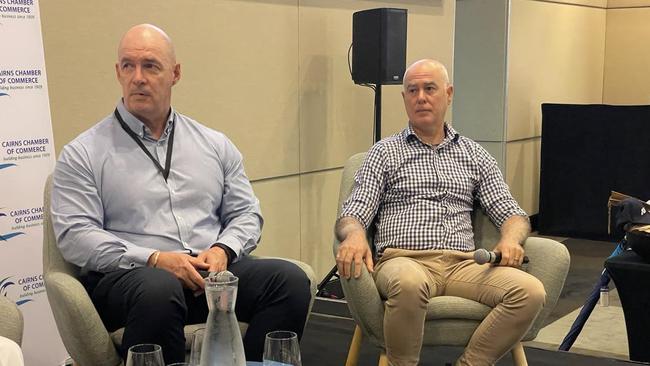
(111, 207)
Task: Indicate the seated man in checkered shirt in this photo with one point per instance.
(418, 187)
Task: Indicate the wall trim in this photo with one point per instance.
(559, 2)
(265, 179)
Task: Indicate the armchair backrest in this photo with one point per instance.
(11, 321)
(52, 259)
(485, 233)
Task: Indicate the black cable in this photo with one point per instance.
(371, 86)
(349, 63)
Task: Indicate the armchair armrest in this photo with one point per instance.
(549, 262)
(364, 303)
(309, 272)
(75, 313)
(11, 322)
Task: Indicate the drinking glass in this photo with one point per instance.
(281, 348)
(197, 342)
(145, 355)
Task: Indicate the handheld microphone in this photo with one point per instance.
(482, 256)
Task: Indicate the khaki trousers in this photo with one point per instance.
(407, 279)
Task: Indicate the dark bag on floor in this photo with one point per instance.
(633, 218)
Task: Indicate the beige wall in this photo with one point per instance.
(617, 4)
(577, 52)
(627, 55)
(556, 55)
(271, 74)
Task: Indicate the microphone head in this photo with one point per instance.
(481, 256)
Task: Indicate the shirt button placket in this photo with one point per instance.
(180, 223)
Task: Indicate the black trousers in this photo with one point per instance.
(153, 307)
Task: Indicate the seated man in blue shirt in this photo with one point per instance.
(418, 188)
(148, 197)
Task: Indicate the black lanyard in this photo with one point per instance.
(136, 138)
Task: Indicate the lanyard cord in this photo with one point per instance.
(170, 145)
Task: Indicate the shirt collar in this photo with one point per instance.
(140, 128)
(450, 135)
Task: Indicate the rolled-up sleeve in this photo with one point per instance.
(369, 184)
(492, 191)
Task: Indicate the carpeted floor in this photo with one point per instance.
(327, 337)
(604, 333)
(326, 341)
(587, 259)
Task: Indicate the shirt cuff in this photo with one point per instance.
(136, 257)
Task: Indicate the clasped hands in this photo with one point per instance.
(185, 267)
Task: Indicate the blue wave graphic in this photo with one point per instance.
(3, 288)
(2, 214)
(2, 166)
(4, 95)
(3, 291)
(8, 236)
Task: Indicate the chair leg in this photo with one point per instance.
(518, 355)
(383, 360)
(355, 346)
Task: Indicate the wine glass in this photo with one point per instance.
(145, 355)
(281, 348)
(197, 342)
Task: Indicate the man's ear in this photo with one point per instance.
(450, 93)
(177, 73)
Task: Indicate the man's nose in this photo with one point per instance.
(138, 75)
(420, 96)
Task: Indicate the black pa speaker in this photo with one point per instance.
(379, 46)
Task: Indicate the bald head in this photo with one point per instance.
(147, 35)
(427, 94)
(426, 66)
(147, 70)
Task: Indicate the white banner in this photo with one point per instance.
(26, 159)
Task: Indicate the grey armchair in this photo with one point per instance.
(450, 321)
(83, 333)
(11, 321)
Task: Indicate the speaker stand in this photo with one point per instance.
(377, 112)
(332, 272)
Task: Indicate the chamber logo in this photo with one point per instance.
(5, 166)
(4, 94)
(10, 235)
(25, 148)
(7, 284)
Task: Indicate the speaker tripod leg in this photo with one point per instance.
(325, 280)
